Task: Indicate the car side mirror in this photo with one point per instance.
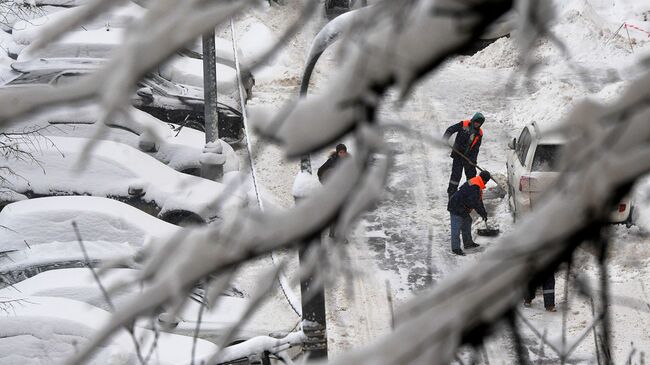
(512, 143)
(145, 93)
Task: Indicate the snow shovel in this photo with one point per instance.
(487, 231)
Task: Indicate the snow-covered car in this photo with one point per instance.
(66, 166)
(165, 100)
(274, 317)
(178, 148)
(99, 36)
(532, 168)
(37, 235)
(39, 329)
(33, 222)
(101, 41)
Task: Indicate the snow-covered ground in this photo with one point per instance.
(405, 242)
(402, 247)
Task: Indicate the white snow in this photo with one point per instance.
(462, 86)
(180, 149)
(56, 324)
(305, 184)
(44, 220)
(109, 171)
(25, 31)
(189, 71)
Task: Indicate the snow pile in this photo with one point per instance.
(305, 185)
(255, 38)
(44, 220)
(502, 53)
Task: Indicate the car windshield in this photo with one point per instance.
(546, 157)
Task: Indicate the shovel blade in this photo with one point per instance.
(488, 232)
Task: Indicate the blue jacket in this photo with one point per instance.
(468, 141)
(468, 197)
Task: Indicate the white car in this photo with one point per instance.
(163, 99)
(532, 168)
(30, 223)
(48, 330)
(273, 317)
(66, 166)
(177, 147)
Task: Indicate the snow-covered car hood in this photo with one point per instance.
(61, 167)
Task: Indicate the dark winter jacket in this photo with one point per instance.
(468, 140)
(326, 168)
(468, 197)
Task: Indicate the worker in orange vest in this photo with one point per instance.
(468, 142)
(469, 197)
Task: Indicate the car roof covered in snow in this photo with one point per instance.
(46, 318)
(45, 220)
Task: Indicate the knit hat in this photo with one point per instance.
(485, 176)
(341, 147)
(478, 117)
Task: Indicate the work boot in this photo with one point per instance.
(551, 308)
(528, 303)
(471, 245)
(458, 252)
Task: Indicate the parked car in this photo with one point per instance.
(48, 330)
(165, 100)
(32, 222)
(178, 148)
(532, 167)
(64, 166)
(36, 235)
(79, 284)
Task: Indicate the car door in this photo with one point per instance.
(517, 168)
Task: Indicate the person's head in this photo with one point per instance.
(341, 150)
(485, 176)
(477, 120)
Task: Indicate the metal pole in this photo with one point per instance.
(211, 114)
(313, 314)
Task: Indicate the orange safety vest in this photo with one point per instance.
(476, 138)
(476, 180)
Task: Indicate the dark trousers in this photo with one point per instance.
(548, 289)
(460, 226)
(458, 165)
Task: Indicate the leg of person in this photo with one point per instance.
(470, 171)
(466, 230)
(456, 222)
(456, 174)
(548, 288)
(529, 295)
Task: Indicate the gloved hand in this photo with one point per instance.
(484, 218)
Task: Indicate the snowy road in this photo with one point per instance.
(409, 232)
(405, 241)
